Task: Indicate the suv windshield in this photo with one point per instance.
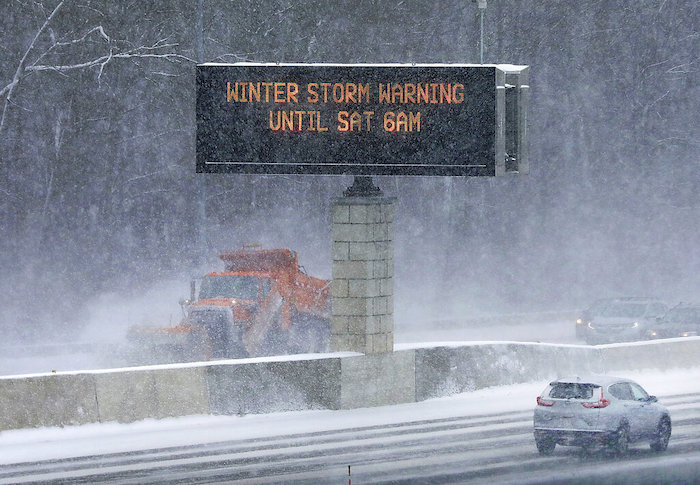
(245, 287)
(571, 390)
(624, 310)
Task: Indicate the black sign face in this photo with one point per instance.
(347, 119)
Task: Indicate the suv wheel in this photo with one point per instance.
(620, 440)
(545, 445)
(663, 433)
(587, 449)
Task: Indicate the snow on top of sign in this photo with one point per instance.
(503, 67)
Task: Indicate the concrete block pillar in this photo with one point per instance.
(362, 290)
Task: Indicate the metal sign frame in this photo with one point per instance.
(362, 119)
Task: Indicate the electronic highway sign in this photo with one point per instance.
(362, 119)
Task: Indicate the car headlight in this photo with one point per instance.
(579, 321)
(590, 325)
(635, 324)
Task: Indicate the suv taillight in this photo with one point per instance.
(598, 404)
(544, 402)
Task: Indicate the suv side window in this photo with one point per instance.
(638, 393)
(621, 391)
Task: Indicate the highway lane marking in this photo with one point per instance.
(379, 430)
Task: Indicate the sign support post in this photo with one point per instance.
(363, 187)
(362, 291)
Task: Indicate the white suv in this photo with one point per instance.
(599, 410)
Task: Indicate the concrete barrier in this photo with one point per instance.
(320, 381)
(128, 396)
(442, 371)
(260, 386)
(378, 379)
(47, 400)
(654, 354)
(125, 396)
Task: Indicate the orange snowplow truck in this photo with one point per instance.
(263, 303)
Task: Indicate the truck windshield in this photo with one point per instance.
(245, 287)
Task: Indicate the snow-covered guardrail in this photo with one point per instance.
(319, 381)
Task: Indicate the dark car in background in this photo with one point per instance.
(624, 319)
(683, 320)
(588, 314)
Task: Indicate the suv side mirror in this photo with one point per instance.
(653, 399)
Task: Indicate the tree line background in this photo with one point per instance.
(98, 192)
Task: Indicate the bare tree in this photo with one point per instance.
(48, 51)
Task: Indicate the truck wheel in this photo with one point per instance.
(197, 347)
(663, 433)
(311, 335)
(318, 335)
(323, 336)
(545, 445)
(276, 342)
(299, 337)
(621, 440)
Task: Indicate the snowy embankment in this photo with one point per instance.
(30, 445)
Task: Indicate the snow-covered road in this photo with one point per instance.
(484, 435)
